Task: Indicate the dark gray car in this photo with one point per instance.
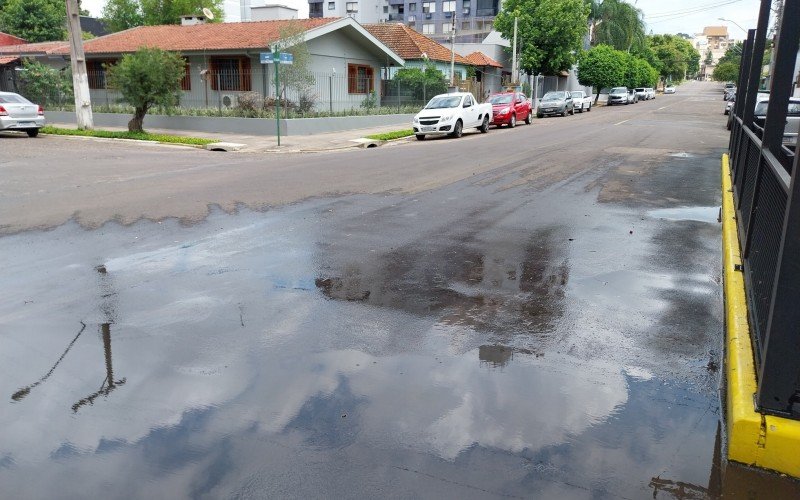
(556, 102)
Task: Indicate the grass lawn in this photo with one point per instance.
(119, 134)
(388, 136)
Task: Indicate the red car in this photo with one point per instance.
(508, 108)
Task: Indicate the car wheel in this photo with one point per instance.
(458, 129)
(590, 108)
(485, 126)
(572, 111)
(513, 121)
(528, 118)
(420, 137)
(32, 132)
(539, 115)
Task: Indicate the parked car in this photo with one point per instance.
(641, 93)
(618, 95)
(729, 105)
(18, 113)
(729, 93)
(792, 127)
(632, 97)
(728, 86)
(450, 114)
(762, 95)
(651, 93)
(581, 102)
(556, 102)
(508, 108)
(669, 89)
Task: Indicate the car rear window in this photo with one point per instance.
(639, 90)
(501, 99)
(15, 99)
(618, 90)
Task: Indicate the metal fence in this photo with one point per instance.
(304, 94)
(767, 202)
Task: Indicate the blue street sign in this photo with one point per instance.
(275, 57)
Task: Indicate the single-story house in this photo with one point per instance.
(489, 74)
(11, 58)
(223, 60)
(6, 39)
(417, 50)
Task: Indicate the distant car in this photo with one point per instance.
(651, 93)
(450, 114)
(556, 102)
(18, 113)
(729, 105)
(508, 108)
(792, 127)
(581, 102)
(728, 86)
(632, 97)
(618, 95)
(641, 93)
(729, 93)
(669, 89)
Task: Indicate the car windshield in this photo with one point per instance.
(501, 99)
(761, 108)
(444, 102)
(639, 90)
(552, 96)
(13, 98)
(618, 90)
(578, 94)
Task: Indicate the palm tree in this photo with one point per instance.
(616, 23)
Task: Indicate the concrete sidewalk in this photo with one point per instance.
(269, 144)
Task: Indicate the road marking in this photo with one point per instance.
(623, 121)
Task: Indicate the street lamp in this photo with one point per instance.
(734, 22)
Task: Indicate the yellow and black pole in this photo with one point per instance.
(276, 58)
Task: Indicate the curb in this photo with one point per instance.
(754, 439)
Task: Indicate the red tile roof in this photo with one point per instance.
(33, 48)
(6, 60)
(198, 37)
(481, 59)
(410, 44)
(6, 39)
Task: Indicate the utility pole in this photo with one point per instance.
(514, 72)
(80, 81)
(453, 53)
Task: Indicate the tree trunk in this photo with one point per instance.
(137, 122)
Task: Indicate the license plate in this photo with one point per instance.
(25, 124)
(427, 129)
(548, 110)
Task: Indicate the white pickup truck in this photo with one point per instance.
(450, 114)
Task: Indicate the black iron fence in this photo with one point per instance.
(763, 159)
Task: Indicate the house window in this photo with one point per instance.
(331, 5)
(186, 82)
(428, 29)
(230, 73)
(465, 7)
(449, 6)
(96, 73)
(447, 27)
(351, 7)
(411, 19)
(465, 26)
(428, 7)
(385, 9)
(315, 9)
(360, 79)
(412, 7)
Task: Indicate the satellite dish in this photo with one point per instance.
(207, 12)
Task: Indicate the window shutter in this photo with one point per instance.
(244, 75)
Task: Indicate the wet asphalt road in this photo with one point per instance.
(534, 313)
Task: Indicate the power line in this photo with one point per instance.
(679, 11)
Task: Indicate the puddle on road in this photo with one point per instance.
(226, 358)
(698, 214)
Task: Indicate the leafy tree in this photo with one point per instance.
(709, 60)
(677, 57)
(43, 84)
(150, 77)
(35, 20)
(601, 67)
(424, 83)
(296, 76)
(550, 32)
(732, 54)
(170, 11)
(617, 23)
(726, 72)
(121, 15)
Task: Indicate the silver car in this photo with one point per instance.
(618, 95)
(556, 103)
(18, 113)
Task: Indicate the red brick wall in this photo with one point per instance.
(6, 39)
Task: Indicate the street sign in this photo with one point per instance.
(276, 57)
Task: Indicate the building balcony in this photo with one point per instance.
(396, 17)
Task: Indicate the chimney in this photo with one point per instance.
(192, 20)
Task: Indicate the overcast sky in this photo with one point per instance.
(676, 16)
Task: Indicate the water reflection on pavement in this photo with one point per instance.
(305, 353)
